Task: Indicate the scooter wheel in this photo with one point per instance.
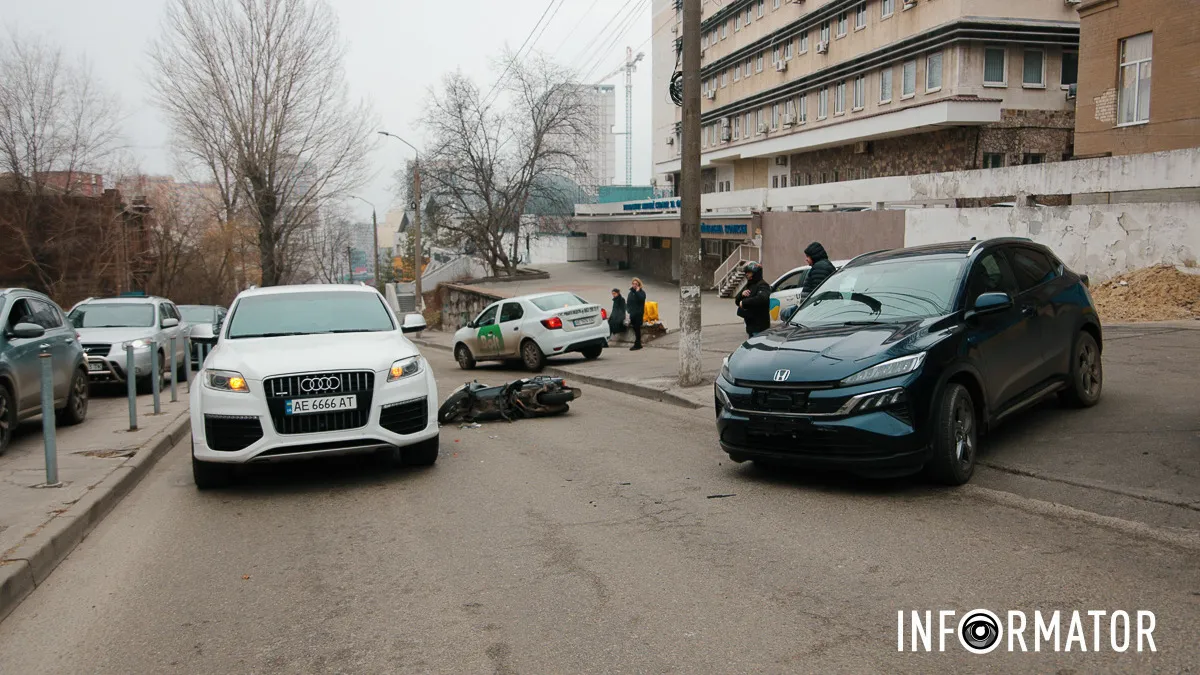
(453, 408)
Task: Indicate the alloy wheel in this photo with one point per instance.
(964, 432)
(1089, 370)
(5, 419)
(79, 393)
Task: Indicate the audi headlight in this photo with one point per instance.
(226, 380)
(725, 370)
(887, 369)
(404, 368)
(136, 344)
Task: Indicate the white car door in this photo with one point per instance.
(786, 291)
(512, 318)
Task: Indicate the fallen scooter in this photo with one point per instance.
(540, 396)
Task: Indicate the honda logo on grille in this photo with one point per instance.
(782, 375)
(310, 385)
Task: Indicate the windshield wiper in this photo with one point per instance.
(352, 330)
(265, 335)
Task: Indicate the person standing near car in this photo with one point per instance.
(821, 268)
(616, 319)
(754, 302)
(636, 306)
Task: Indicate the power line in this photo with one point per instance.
(508, 66)
(622, 28)
(545, 26)
(574, 28)
(583, 52)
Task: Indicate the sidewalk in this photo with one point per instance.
(99, 461)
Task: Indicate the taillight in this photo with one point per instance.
(603, 314)
(553, 323)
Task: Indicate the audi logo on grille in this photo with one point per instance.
(311, 385)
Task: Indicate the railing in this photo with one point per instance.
(743, 252)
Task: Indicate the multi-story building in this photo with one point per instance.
(599, 145)
(801, 92)
(1122, 108)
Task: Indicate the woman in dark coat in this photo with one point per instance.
(616, 318)
(636, 306)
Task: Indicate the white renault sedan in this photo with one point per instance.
(787, 289)
(306, 371)
(532, 328)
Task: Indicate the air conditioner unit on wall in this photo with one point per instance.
(789, 119)
(670, 140)
(725, 135)
(762, 128)
(908, 4)
(711, 94)
(1071, 91)
(781, 161)
(822, 47)
(780, 66)
(1071, 2)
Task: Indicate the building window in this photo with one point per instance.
(737, 73)
(1033, 73)
(885, 85)
(994, 71)
(728, 187)
(776, 55)
(843, 22)
(749, 125)
(703, 140)
(933, 72)
(783, 180)
(762, 7)
(908, 84)
(724, 29)
(775, 4)
(787, 51)
(823, 103)
(746, 68)
(762, 127)
(737, 128)
(860, 16)
(774, 184)
(758, 64)
(703, 45)
(836, 176)
(737, 23)
(860, 92)
(993, 160)
(748, 14)
(839, 99)
(802, 108)
(711, 247)
(775, 116)
(804, 42)
(1070, 69)
(1033, 158)
(1133, 99)
(888, 7)
(825, 32)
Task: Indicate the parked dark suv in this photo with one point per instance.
(900, 359)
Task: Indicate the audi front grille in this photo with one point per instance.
(405, 418)
(279, 390)
(230, 433)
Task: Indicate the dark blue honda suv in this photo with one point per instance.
(901, 359)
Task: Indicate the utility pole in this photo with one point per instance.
(691, 371)
(418, 264)
(349, 266)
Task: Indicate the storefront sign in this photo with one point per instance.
(707, 228)
(652, 205)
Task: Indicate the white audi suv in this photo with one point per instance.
(307, 371)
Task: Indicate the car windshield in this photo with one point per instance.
(114, 315)
(557, 301)
(884, 291)
(308, 313)
(198, 314)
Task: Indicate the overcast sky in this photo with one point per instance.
(398, 49)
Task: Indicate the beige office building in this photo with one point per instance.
(803, 92)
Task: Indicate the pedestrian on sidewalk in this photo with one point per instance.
(616, 318)
(821, 270)
(636, 306)
(754, 302)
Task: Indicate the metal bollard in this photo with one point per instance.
(174, 370)
(187, 362)
(155, 379)
(48, 421)
(131, 381)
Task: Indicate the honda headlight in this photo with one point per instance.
(887, 369)
(226, 380)
(136, 344)
(404, 368)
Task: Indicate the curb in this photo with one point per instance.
(36, 557)
(638, 390)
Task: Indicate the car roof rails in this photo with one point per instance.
(863, 255)
(994, 240)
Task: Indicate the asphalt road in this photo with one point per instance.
(591, 543)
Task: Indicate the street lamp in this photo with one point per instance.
(375, 239)
(418, 267)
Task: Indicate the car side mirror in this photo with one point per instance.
(27, 331)
(788, 312)
(988, 303)
(170, 323)
(413, 323)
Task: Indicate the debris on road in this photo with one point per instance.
(473, 425)
(1159, 293)
(721, 496)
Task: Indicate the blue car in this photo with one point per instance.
(900, 360)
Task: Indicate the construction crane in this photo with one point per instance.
(629, 67)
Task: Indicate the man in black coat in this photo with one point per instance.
(821, 270)
(754, 303)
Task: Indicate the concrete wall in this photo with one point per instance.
(462, 303)
(1099, 240)
(844, 235)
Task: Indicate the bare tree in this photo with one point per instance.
(257, 95)
(487, 166)
(327, 246)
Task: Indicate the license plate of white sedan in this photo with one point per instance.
(585, 322)
(304, 406)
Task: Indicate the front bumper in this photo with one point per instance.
(878, 442)
(238, 428)
(566, 342)
(112, 367)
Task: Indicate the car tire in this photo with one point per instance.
(466, 360)
(75, 412)
(8, 417)
(955, 437)
(424, 453)
(1086, 381)
(592, 353)
(532, 356)
(211, 475)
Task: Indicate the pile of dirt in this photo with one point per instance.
(1159, 293)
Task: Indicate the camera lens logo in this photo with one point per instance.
(979, 631)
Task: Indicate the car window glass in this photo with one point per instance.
(511, 312)
(20, 313)
(173, 312)
(45, 314)
(488, 317)
(1031, 267)
(884, 291)
(309, 313)
(990, 274)
(792, 281)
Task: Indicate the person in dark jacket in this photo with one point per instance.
(636, 306)
(754, 302)
(616, 319)
(821, 270)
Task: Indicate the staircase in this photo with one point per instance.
(729, 277)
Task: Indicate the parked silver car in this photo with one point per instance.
(205, 321)
(31, 323)
(146, 323)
